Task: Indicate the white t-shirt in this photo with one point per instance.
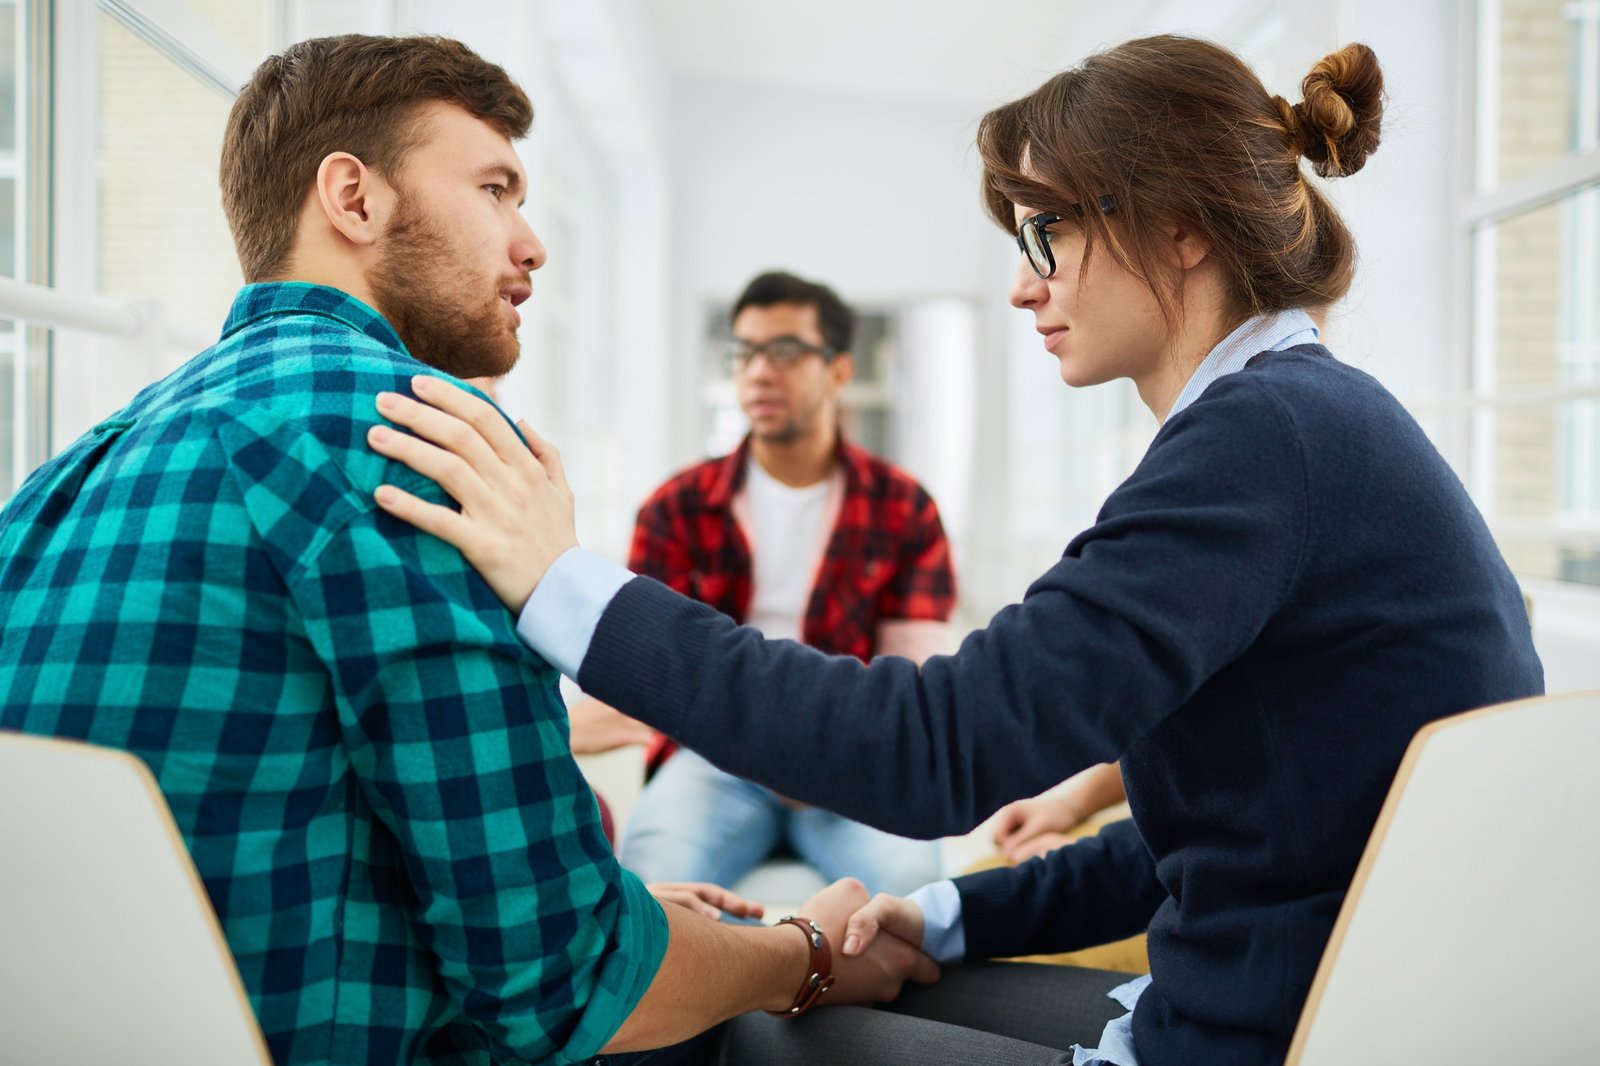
(787, 541)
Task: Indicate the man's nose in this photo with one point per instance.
(527, 251)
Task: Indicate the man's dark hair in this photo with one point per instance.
(835, 320)
(343, 94)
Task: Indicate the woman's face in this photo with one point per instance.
(1098, 320)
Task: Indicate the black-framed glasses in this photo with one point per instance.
(782, 351)
(1033, 236)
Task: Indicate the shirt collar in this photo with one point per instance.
(263, 299)
(857, 463)
(1271, 332)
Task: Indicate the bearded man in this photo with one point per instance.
(371, 773)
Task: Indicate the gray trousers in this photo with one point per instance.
(978, 1013)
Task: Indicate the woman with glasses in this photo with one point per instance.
(1290, 583)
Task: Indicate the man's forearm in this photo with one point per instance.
(710, 973)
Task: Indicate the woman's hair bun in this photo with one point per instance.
(1336, 125)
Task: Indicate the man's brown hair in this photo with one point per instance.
(1179, 131)
(353, 94)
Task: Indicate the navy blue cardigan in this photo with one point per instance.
(1288, 586)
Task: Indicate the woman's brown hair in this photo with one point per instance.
(1180, 131)
(351, 94)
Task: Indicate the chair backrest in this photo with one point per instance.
(1472, 928)
(109, 948)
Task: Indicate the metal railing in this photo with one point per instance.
(141, 327)
(135, 320)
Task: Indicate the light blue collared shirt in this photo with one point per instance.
(1271, 332)
(560, 618)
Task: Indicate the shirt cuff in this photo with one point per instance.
(944, 938)
(560, 618)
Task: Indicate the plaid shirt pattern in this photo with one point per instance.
(370, 770)
(887, 558)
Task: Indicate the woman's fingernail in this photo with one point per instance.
(852, 944)
(387, 401)
(385, 494)
(379, 434)
(422, 383)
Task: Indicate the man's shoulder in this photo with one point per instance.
(282, 407)
(695, 486)
(281, 361)
(876, 476)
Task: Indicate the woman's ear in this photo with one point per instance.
(355, 200)
(1189, 247)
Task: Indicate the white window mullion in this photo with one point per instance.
(1484, 321)
(1486, 108)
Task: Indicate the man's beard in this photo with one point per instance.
(422, 297)
(799, 424)
(787, 433)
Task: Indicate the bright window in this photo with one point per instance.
(1533, 223)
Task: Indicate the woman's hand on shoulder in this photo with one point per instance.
(516, 514)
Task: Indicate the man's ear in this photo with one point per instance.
(355, 200)
(841, 370)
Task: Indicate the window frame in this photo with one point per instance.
(1484, 203)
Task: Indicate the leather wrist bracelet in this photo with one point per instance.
(819, 972)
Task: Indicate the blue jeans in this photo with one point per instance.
(693, 822)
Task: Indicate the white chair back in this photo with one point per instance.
(109, 948)
(1472, 928)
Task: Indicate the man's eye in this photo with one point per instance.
(496, 191)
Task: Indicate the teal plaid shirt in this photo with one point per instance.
(371, 771)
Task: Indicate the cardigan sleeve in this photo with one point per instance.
(1090, 892)
(1188, 561)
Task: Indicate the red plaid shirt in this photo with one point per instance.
(886, 560)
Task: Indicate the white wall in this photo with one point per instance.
(876, 198)
(1400, 322)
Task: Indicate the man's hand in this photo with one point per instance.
(895, 916)
(875, 971)
(516, 513)
(702, 898)
(1034, 826)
